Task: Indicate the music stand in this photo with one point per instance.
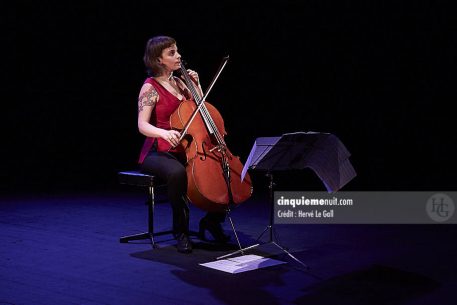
(323, 153)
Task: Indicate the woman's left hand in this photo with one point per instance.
(193, 75)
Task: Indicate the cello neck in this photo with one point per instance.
(190, 85)
(209, 123)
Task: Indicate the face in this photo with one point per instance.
(170, 58)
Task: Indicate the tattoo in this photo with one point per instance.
(148, 98)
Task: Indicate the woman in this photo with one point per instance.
(159, 97)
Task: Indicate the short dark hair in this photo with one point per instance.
(153, 51)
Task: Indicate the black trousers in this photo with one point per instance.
(170, 169)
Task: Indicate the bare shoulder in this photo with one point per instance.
(146, 88)
(148, 97)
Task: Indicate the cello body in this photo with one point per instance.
(207, 160)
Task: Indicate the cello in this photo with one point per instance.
(213, 172)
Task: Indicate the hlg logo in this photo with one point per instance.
(440, 207)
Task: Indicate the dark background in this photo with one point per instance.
(378, 74)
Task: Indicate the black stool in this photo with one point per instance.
(135, 178)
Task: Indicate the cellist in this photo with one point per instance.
(159, 97)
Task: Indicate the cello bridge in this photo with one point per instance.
(218, 147)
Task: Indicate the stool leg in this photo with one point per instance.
(151, 215)
(150, 234)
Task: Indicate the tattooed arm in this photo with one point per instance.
(147, 100)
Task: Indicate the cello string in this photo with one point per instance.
(204, 111)
(206, 117)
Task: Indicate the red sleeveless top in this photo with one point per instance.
(160, 118)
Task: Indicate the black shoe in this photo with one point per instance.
(214, 228)
(184, 244)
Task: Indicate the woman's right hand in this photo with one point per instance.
(172, 137)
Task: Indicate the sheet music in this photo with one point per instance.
(321, 152)
(242, 263)
(260, 148)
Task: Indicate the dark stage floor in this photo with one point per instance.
(64, 248)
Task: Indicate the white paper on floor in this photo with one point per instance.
(242, 263)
